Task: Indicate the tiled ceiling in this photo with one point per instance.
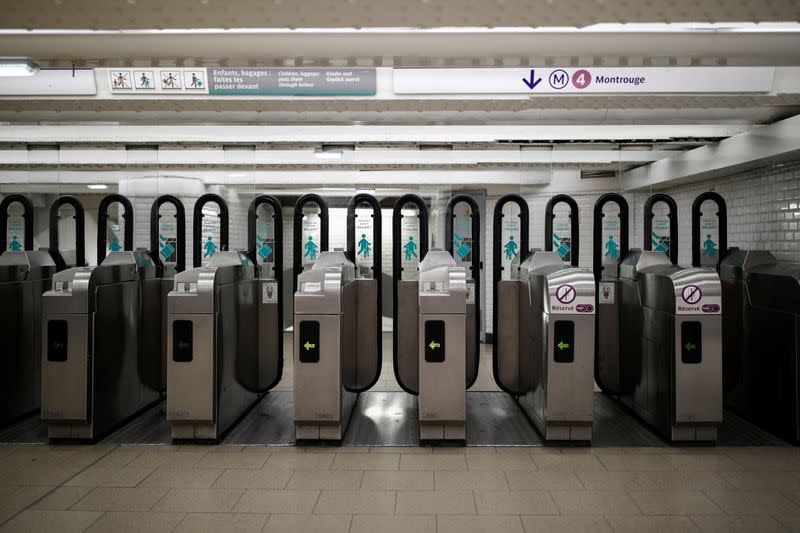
(129, 14)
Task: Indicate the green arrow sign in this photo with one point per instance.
(562, 345)
(433, 345)
(690, 346)
(309, 345)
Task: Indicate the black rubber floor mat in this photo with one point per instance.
(269, 422)
(151, 427)
(614, 425)
(736, 431)
(496, 419)
(30, 430)
(384, 419)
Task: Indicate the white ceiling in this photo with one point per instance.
(114, 14)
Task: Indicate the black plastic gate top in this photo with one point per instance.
(80, 231)
(573, 226)
(475, 268)
(497, 264)
(102, 224)
(297, 248)
(197, 226)
(722, 216)
(673, 224)
(180, 226)
(397, 267)
(597, 230)
(377, 272)
(27, 215)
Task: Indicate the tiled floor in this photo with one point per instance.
(272, 489)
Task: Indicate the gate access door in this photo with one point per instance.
(513, 373)
(364, 246)
(463, 241)
(409, 247)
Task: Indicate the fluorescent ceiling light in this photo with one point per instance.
(328, 153)
(18, 68)
(97, 186)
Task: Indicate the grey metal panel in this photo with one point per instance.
(472, 345)
(65, 384)
(442, 394)
(270, 336)
(408, 334)
(152, 360)
(508, 336)
(191, 385)
(318, 386)
(698, 387)
(367, 332)
(610, 367)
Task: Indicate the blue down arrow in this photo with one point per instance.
(533, 81)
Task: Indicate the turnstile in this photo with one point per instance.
(212, 339)
(555, 316)
(672, 335)
(93, 366)
(761, 342)
(325, 340)
(442, 348)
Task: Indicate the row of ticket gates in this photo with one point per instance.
(92, 346)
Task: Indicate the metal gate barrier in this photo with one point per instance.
(610, 243)
(464, 246)
(409, 247)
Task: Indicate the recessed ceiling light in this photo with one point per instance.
(18, 68)
(97, 186)
(328, 153)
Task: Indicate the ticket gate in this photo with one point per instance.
(671, 333)
(761, 343)
(545, 328)
(442, 348)
(673, 330)
(556, 311)
(325, 318)
(92, 362)
(211, 335)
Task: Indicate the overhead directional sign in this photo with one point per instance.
(291, 80)
(560, 80)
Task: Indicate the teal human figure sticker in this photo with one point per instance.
(410, 248)
(311, 249)
(364, 246)
(14, 245)
(510, 248)
(612, 249)
(210, 247)
(710, 247)
(115, 246)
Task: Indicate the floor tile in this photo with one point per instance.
(366, 461)
(738, 524)
(198, 500)
(497, 461)
(62, 498)
(283, 523)
(398, 480)
(565, 524)
(594, 502)
(616, 481)
(433, 462)
(401, 449)
(265, 478)
(753, 502)
(61, 521)
(628, 462)
(435, 502)
(120, 499)
(15, 499)
(516, 502)
(277, 501)
(111, 476)
(652, 524)
(326, 480)
(749, 480)
(488, 480)
(573, 463)
(355, 502)
(301, 460)
(125, 522)
(478, 524)
(695, 462)
(686, 480)
(674, 503)
(543, 480)
(192, 478)
(178, 459)
(393, 524)
(228, 522)
(248, 461)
